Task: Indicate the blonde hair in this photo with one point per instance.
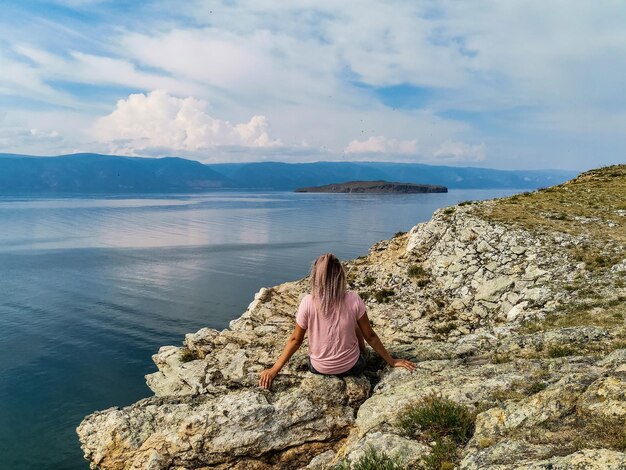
(328, 283)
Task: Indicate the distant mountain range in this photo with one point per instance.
(93, 173)
(288, 176)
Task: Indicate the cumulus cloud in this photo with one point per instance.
(452, 151)
(158, 120)
(381, 144)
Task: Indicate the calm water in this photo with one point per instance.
(90, 288)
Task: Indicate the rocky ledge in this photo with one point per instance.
(514, 311)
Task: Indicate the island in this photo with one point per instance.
(378, 186)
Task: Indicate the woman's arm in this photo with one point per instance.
(374, 341)
(294, 342)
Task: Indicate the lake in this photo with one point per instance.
(90, 288)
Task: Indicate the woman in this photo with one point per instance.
(338, 327)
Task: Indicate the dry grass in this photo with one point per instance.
(590, 204)
(521, 389)
(372, 460)
(605, 313)
(574, 432)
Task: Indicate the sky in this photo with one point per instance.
(489, 83)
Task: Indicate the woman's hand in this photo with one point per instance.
(266, 378)
(408, 365)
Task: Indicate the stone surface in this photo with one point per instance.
(162, 432)
(606, 397)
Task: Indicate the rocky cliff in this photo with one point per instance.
(514, 311)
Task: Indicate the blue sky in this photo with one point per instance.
(516, 84)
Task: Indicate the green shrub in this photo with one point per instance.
(188, 355)
(443, 421)
(438, 417)
(415, 270)
(448, 210)
(399, 234)
(365, 295)
(373, 460)
(535, 387)
(466, 203)
(369, 280)
(442, 456)
(561, 351)
(383, 295)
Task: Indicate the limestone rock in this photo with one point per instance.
(605, 397)
(181, 431)
(552, 403)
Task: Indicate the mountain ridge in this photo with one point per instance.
(96, 173)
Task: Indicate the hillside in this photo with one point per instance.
(93, 173)
(288, 176)
(514, 311)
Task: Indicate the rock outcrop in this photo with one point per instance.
(512, 308)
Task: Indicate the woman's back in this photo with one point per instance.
(333, 343)
(330, 315)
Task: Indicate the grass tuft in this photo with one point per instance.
(419, 274)
(438, 417)
(561, 351)
(187, 355)
(383, 295)
(415, 270)
(535, 387)
(372, 460)
(442, 456)
(369, 280)
(443, 421)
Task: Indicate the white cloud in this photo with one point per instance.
(451, 151)
(93, 69)
(553, 69)
(381, 144)
(23, 140)
(21, 79)
(12, 137)
(159, 120)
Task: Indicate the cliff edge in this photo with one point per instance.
(514, 311)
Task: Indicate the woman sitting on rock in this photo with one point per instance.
(337, 324)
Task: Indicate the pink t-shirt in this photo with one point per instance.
(333, 345)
